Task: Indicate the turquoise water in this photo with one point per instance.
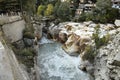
(55, 64)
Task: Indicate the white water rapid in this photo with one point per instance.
(55, 64)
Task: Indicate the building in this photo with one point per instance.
(116, 4)
(10, 5)
(85, 6)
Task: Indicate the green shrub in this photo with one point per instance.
(28, 35)
(82, 17)
(100, 41)
(49, 10)
(89, 53)
(26, 52)
(41, 9)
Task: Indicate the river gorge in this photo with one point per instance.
(62, 56)
(55, 64)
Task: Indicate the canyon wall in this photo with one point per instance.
(9, 67)
(13, 27)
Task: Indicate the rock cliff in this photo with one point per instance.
(107, 62)
(9, 67)
(77, 36)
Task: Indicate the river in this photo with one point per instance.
(55, 64)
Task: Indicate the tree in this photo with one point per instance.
(46, 2)
(28, 5)
(57, 4)
(103, 12)
(40, 10)
(64, 11)
(103, 5)
(49, 10)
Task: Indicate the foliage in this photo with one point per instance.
(103, 13)
(46, 2)
(28, 5)
(103, 5)
(28, 33)
(89, 53)
(82, 17)
(26, 52)
(49, 10)
(40, 10)
(63, 12)
(56, 7)
(100, 41)
(75, 3)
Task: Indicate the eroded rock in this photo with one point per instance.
(117, 22)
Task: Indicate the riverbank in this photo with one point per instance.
(55, 64)
(84, 38)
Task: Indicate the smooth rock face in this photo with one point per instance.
(9, 66)
(13, 31)
(5, 68)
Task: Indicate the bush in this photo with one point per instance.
(49, 10)
(82, 17)
(100, 41)
(89, 53)
(26, 52)
(102, 16)
(41, 9)
(28, 35)
(64, 11)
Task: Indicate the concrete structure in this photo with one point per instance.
(85, 8)
(116, 4)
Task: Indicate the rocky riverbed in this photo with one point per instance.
(77, 36)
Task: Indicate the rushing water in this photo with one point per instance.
(55, 64)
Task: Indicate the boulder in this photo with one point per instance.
(87, 67)
(62, 37)
(116, 60)
(38, 30)
(88, 23)
(14, 31)
(28, 42)
(93, 25)
(19, 44)
(117, 22)
(53, 30)
(110, 26)
(71, 45)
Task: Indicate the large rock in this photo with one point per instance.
(9, 19)
(87, 67)
(62, 37)
(28, 42)
(14, 31)
(9, 66)
(71, 46)
(107, 62)
(117, 22)
(117, 59)
(38, 30)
